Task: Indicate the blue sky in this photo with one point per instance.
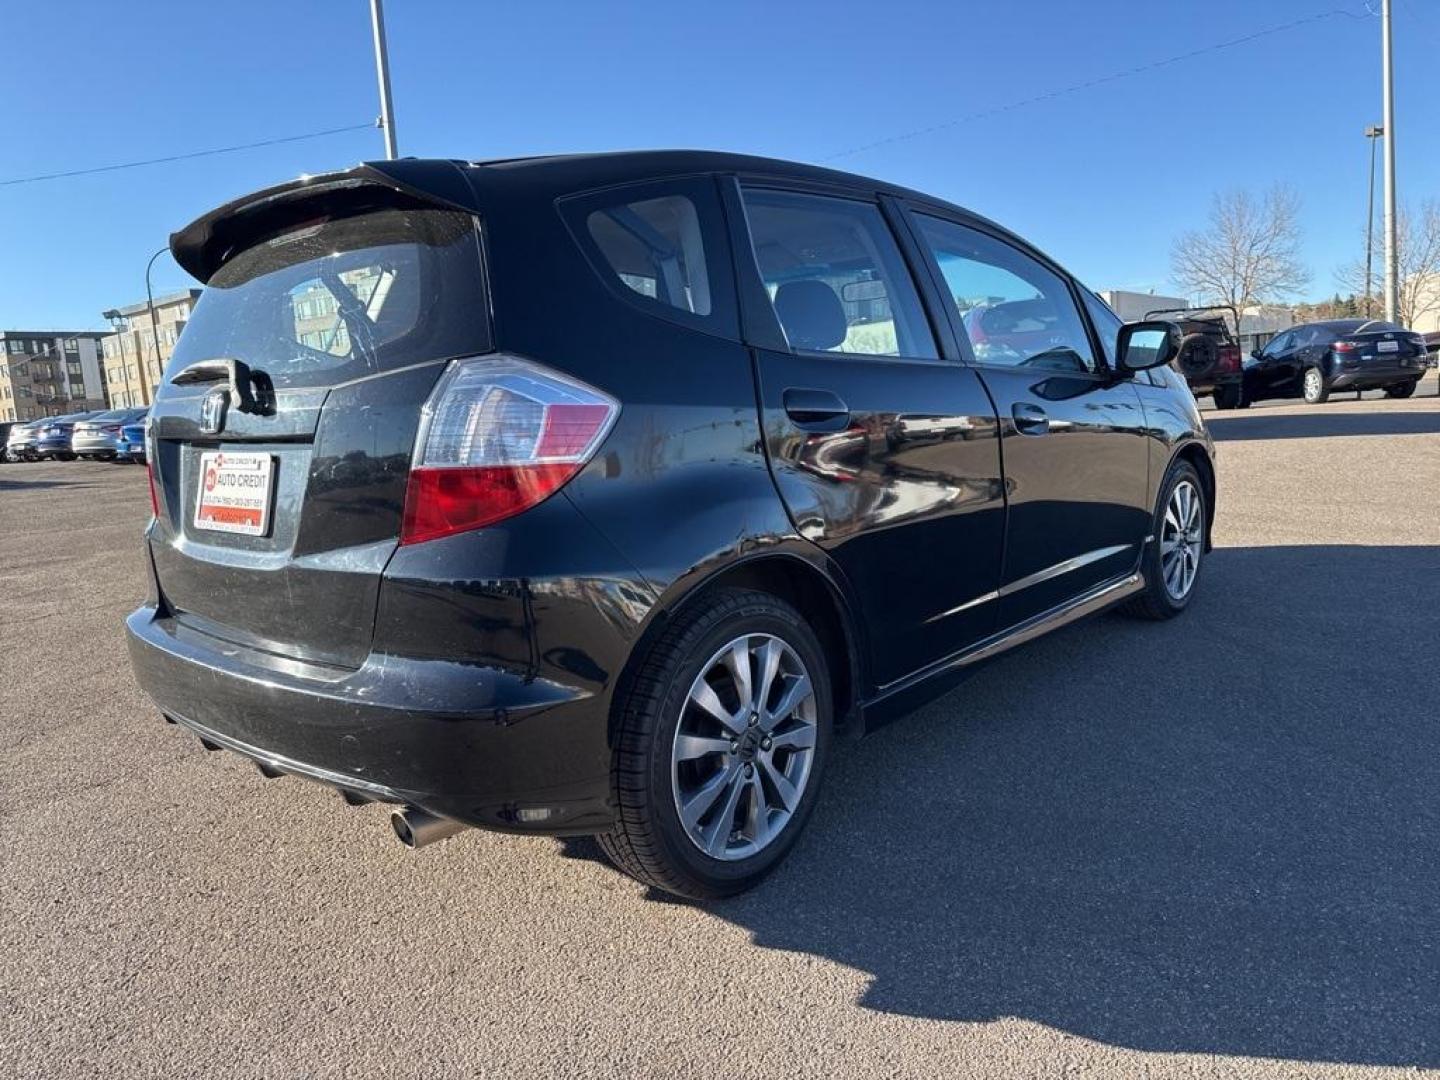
(1102, 178)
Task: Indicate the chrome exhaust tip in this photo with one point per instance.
(415, 828)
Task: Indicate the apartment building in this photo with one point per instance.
(133, 359)
(50, 373)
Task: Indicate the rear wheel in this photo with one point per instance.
(1228, 397)
(1402, 390)
(1314, 387)
(721, 745)
(1171, 563)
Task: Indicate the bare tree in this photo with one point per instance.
(1417, 294)
(1249, 253)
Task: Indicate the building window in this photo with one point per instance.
(72, 345)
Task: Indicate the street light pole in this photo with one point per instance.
(154, 323)
(1392, 254)
(1373, 132)
(382, 72)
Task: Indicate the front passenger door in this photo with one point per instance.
(1073, 438)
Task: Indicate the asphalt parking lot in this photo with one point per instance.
(1204, 848)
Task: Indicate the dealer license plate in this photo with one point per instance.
(235, 493)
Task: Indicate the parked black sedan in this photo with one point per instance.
(1314, 359)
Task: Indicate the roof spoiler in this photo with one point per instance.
(204, 245)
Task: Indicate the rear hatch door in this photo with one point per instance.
(282, 433)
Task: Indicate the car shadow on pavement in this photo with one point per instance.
(1319, 423)
(1216, 834)
(6, 484)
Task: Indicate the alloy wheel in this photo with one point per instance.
(744, 747)
(1182, 537)
(1313, 383)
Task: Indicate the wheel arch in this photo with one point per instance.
(1196, 455)
(813, 590)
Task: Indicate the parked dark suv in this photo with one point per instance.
(1209, 356)
(587, 495)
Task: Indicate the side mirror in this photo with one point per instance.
(1149, 344)
(1254, 354)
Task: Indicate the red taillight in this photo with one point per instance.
(150, 476)
(1229, 358)
(1345, 346)
(498, 435)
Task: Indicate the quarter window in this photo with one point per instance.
(835, 276)
(655, 247)
(1015, 311)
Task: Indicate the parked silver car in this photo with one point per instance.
(20, 443)
(97, 437)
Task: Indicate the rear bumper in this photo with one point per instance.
(486, 746)
(101, 445)
(1362, 379)
(51, 447)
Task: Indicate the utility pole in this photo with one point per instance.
(1392, 254)
(382, 71)
(1373, 132)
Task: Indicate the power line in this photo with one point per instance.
(1086, 85)
(183, 157)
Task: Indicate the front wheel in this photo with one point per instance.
(1314, 387)
(1402, 390)
(722, 738)
(1176, 549)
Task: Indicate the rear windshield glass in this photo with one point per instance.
(340, 298)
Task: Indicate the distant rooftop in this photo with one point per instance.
(54, 333)
(160, 301)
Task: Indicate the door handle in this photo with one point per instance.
(819, 410)
(1029, 419)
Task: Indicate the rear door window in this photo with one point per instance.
(336, 299)
(835, 276)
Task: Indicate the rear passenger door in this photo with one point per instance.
(1073, 435)
(885, 453)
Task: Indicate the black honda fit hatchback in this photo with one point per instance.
(590, 495)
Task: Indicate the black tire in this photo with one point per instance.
(1316, 390)
(648, 841)
(1198, 356)
(1155, 601)
(1402, 390)
(1229, 397)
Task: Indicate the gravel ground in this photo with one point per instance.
(1203, 848)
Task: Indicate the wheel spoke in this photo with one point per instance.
(1167, 547)
(784, 789)
(757, 819)
(797, 738)
(703, 695)
(1170, 518)
(737, 662)
(717, 833)
(703, 798)
(794, 695)
(690, 747)
(770, 654)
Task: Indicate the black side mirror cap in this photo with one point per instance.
(1148, 344)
